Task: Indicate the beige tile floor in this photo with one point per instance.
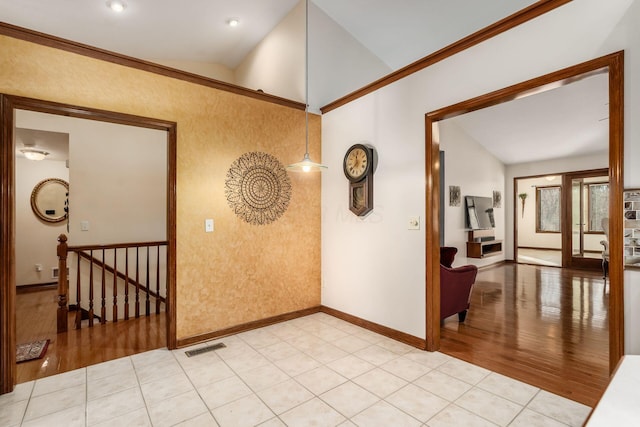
(312, 371)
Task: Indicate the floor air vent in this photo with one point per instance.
(207, 349)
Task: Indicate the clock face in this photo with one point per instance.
(357, 163)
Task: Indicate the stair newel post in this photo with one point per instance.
(63, 284)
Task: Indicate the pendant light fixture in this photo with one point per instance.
(306, 165)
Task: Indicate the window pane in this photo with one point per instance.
(549, 209)
(598, 205)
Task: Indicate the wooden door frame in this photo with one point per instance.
(515, 207)
(614, 65)
(8, 105)
(567, 220)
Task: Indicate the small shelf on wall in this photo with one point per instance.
(482, 244)
(631, 242)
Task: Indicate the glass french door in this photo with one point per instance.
(588, 204)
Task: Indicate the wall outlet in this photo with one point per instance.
(38, 267)
(208, 225)
(84, 225)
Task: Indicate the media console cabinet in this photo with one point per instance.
(482, 243)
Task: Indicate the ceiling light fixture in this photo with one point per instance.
(233, 22)
(116, 5)
(33, 153)
(306, 165)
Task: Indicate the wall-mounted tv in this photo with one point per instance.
(479, 213)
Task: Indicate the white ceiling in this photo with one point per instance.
(397, 32)
(567, 121)
(55, 143)
(400, 32)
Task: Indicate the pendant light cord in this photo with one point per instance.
(306, 165)
(306, 76)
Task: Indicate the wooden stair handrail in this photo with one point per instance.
(116, 246)
(120, 275)
(63, 250)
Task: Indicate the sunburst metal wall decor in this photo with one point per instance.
(258, 188)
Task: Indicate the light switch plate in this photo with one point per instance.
(84, 225)
(414, 223)
(208, 226)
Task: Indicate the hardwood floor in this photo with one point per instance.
(36, 319)
(545, 326)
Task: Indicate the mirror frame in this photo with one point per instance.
(34, 204)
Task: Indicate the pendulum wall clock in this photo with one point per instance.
(358, 168)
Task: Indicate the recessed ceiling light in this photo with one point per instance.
(233, 22)
(116, 5)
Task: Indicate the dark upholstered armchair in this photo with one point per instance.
(447, 255)
(455, 285)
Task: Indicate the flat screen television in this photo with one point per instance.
(479, 213)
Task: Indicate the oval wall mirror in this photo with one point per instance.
(49, 199)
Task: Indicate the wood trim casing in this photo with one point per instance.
(36, 287)
(195, 339)
(432, 238)
(8, 104)
(377, 328)
(614, 65)
(7, 250)
(567, 245)
(539, 8)
(128, 61)
(616, 226)
(172, 231)
(371, 326)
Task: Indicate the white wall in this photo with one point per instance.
(36, 240)
(627, 34)
(375, 269)
(277, 64)
(117, 178)
(550, 167)
(477, 172)
(527, 235)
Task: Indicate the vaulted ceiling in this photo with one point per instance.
(351, 44)
(194, 35)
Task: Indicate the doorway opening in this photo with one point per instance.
(9, 106)
(611, 64)
(558, 218)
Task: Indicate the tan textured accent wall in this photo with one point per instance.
(240, 272)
